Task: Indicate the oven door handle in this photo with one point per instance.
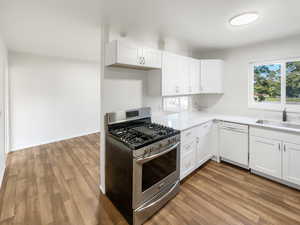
(151, 204)
(143, 160)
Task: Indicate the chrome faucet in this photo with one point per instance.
(284, 115)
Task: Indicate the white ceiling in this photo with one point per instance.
(70, 28)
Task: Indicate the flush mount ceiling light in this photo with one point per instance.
(243, 19)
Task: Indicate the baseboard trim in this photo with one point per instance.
(278, 180)
(2, 176)
(102, 189)
(52, 141)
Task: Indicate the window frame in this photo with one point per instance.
(271, 106)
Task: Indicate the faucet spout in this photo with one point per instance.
(284, 115)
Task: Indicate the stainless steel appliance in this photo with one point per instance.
(142, 164)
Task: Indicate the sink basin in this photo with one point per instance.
(278, 124)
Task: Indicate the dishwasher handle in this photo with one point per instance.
(234, 129)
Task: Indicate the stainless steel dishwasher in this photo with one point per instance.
(234, 143)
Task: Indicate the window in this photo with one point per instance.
(267, 83)
(176, 104)
(275, 85)
(293, 82)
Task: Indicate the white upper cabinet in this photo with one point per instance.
(170, 74)
(212, 76)
(180, 75)
(194, 76)
(120, 53)
(183, 75)
(152, 58)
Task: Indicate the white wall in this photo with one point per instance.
(3, 94)
(235, 98)
(52, 99)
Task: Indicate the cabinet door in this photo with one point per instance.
(187, 164)
(152, 58)
(265, 156)
(211, 76)
(128, 54)
(183, 75)
(291, 163)
(194, 76)
(234, 146)
(170, 75)
(203, 139)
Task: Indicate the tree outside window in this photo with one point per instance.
(275, 85)
(293, 82)
(267, 83)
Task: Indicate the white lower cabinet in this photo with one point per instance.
(187, 164)
(203, 144)
(195, 148)
(265, 156)
(276, 154)
(291, 163)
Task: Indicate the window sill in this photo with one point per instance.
(275, 108)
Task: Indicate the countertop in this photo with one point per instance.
(186, 120)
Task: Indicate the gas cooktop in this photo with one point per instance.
(142, 135)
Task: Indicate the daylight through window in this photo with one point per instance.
(275, 85)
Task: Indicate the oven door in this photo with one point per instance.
(154, 173)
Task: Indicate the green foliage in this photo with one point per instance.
(266, 83)
(293, 80)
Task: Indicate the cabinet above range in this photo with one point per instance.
(123, 54)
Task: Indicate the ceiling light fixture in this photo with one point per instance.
(243, 19)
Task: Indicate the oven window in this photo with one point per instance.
(158, 168)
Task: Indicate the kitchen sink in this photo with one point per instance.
(279, 124)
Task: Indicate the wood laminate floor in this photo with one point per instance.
(57, 184)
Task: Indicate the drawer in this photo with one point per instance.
(188, 135)
(187, 165)
(187, 148)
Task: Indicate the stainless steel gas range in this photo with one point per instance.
(142, 164)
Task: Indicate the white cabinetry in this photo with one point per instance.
(120, 53)
(212, 76)
(195, 148)
(151, 58)
(183, 75)
(194, 76)
(204, 142)
(276, 154)
(170, 74)
(291, 163)
(175, 75)
(265, 156)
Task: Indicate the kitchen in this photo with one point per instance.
(267, 148)
(150, 112)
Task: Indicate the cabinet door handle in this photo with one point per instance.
(279, 146)
(284, 147)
